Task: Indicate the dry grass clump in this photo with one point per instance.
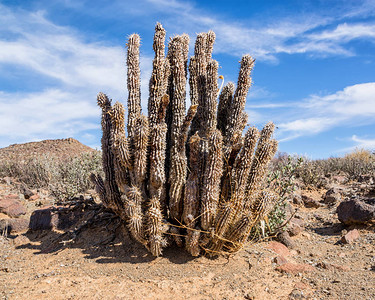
(359, 162)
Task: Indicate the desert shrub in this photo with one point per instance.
(328, 166)
(358, 162)
(281, 179)
(72, 176)
(310, 172)
(64, 179)
(33, 172)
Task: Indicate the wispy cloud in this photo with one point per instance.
(344, 33)
(38, 45)
(363, 143)
(312, 34)
(352, 106)
(357, 142)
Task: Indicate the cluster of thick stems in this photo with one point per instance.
(185, 176)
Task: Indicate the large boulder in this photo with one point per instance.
(54, 218)
(356, 211)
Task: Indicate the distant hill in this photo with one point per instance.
(60, 148)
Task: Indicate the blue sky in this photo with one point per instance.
(314, 74)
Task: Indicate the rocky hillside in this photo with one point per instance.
(59, 148)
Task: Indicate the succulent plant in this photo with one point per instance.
(189, 177)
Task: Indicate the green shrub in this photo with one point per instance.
(73, 176)
(281, 179)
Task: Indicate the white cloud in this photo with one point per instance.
(80, 70)
(363, 143)
(359, 143)
(344, 33)
(310, 125)
(353, 101)
(352, 106)
(291, 34)
(40, 46)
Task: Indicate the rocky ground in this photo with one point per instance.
(82, 251)
(325, 259)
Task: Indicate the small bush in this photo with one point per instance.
(281, 179)
(358, 162)
(311, 172)
(73, 176)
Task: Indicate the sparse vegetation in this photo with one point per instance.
(63, 178)
(353, 165)
(358, 162)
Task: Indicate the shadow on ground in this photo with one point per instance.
(102, 236)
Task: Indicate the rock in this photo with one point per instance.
(297, 199)
(284, 238)
(310, 202)
(366, 179)
(301, 286)
(289, 210)
(294, 229)
(278, 248)
(293, 252)
(292, 268)
(7, 180)
(295, 226)
(27, 192)
(332, 267)
(350, 237)
(43, 219)
(10, 206)
(54, 217)
(88, 197)
(306, 235)
(332, 196)
(296, 294)
(13, 225)
(355, 211)
(280, 260)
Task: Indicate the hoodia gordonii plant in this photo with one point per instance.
(191, 177)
